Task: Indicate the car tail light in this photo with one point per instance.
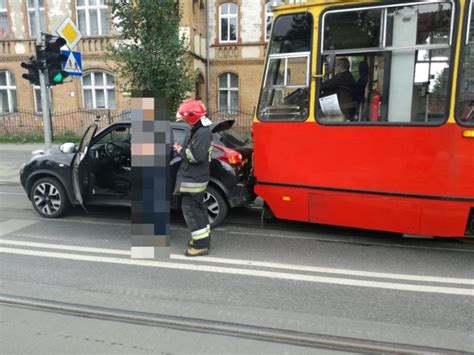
(228, 155)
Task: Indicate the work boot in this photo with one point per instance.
(196, 252)
(191, 243)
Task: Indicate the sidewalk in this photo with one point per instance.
(12, 157)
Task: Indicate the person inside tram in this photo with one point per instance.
(361, 84)
(343, 84)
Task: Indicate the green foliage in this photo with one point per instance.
(24, 138)
(67, 137)
(150, 53)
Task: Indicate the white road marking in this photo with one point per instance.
(13, 193)
(83, 221)
(13, 225)
(64, 247)
(247, 272)
(328, 270)
(251, 234)
(253, 263)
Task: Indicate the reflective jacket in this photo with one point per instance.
(193, 174)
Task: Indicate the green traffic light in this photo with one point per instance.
(58, 78)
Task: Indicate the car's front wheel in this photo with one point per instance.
(216, 206)
(49, 198)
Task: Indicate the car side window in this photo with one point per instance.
(118, 134)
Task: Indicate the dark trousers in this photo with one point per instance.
(197, 219)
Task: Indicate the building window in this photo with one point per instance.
(269, 15)
(228, 93)
(98, 90)
(93, 17)
(4, 28)
(8, 101)
(32, 17)
(37, 95)
(228, 23)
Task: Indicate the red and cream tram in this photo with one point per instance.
(365, 117)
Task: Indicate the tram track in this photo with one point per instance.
(223, 328)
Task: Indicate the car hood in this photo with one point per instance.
(53, 154)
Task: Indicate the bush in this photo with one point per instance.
(23, 138)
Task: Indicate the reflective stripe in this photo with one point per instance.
(200, 236)
(194, 184)
(190, 156)
(210, 153)
(200, 231)
(193, 187)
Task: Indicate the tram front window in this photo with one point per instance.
(285, 92)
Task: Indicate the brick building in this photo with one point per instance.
(227, 44)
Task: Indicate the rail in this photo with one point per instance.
(275, 335)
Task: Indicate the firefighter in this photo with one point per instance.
(193, 175)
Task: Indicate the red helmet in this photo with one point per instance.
(192, 111)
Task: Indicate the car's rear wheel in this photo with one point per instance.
(216, 206)
(49, 198)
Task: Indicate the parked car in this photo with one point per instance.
(98, 171)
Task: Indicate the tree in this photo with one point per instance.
(149, 52)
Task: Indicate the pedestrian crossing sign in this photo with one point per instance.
(73, 64)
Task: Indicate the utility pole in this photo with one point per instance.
(42, 78)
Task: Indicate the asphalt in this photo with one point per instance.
(283, 276)
(12, 157)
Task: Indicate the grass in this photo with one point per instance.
(24, 138)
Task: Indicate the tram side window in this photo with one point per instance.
(285, 92)
(465, 107)
(394, 68)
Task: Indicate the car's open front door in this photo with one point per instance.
(79, 170)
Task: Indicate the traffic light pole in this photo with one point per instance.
(42, 77)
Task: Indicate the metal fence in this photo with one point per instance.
(243, 119)
(69, 121)
(76, 121)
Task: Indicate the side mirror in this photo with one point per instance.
(67, 148)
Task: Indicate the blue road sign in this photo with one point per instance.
(73, 65)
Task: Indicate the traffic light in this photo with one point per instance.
(33, 71)
(52, 58)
